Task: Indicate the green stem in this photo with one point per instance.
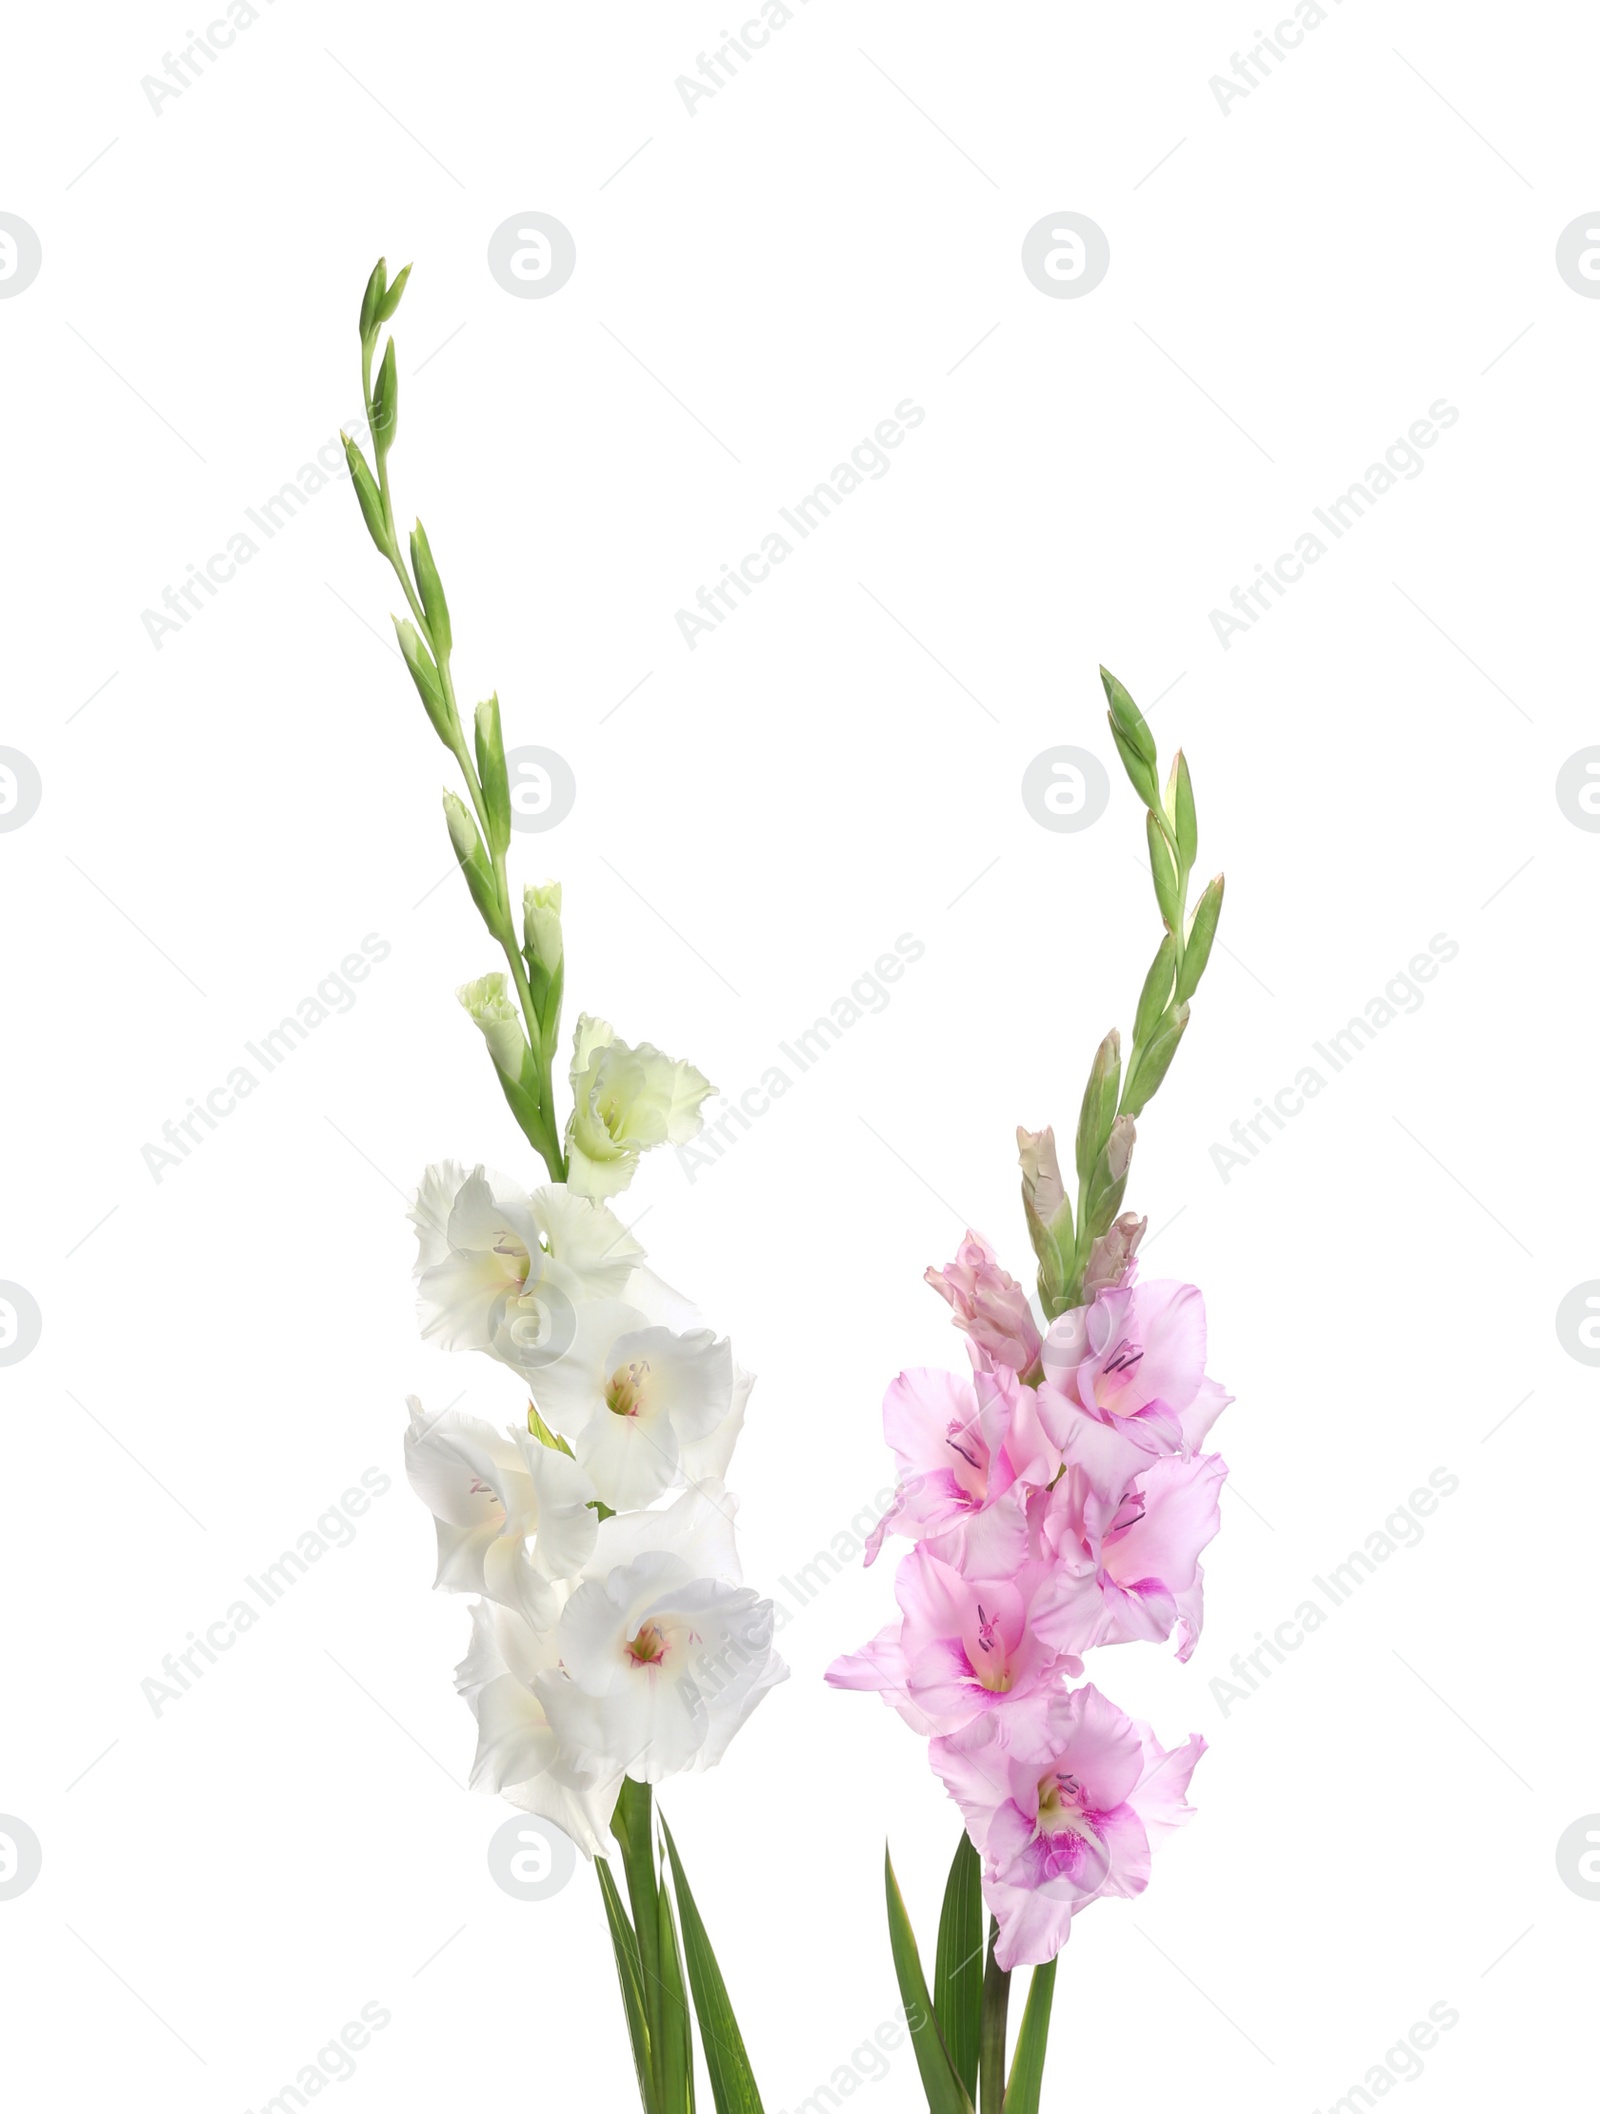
(633, 1826)
(992, 2031)
(549, 1145)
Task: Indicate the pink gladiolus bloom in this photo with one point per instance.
(1145, 1543)
(1133, 1364)
(962, 1444)
(990, 1306)
(1062, 1804)
(969, 1647)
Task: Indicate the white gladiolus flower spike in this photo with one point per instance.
(624, 1101)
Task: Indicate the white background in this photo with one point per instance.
(1370, 230)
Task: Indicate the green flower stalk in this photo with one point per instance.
(480, 826)
(1081, 1251)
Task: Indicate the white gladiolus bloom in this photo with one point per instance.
(518, 1754)
(632, 1396)
(503, 1271)
(625, 1099)
(492, 1495)
(658, 1667)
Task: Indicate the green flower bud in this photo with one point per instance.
(474, 862)
(434, 607)
(1162, 872)
(492, 773)
(1099, 1104)
(372, 298)
(541, 926)
(1180, 809)
(391, 300)
(368, 496)
(1202, 931)
(385, 403)
(426, 677)
(1151, 1067)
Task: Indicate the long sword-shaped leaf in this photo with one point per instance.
(1027, 2064)
(677, 2048)
(625, 1946)
(946, 2093)
(958, 1965)
(733, 2084)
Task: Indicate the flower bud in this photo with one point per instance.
(1099, 1104)
(1119, 1148)
(1111, 1256)
(468, 846)
(541, 925)
(1048, 1211)
(1043, 1192)
(494, 1011)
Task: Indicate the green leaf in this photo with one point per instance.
(372, 298)
(626, 1948)
(1027, 2062)
(391, 300)
(1157, 990)
(958, 1964)
(385, 403)
(492, 773)
(1162, 872)
(733, 2084)
(1099, 1104)
(1202, 931)
(945, 2091)
(677, 2049)
(1152, 1064)
(1180, 810)
(434, 607)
